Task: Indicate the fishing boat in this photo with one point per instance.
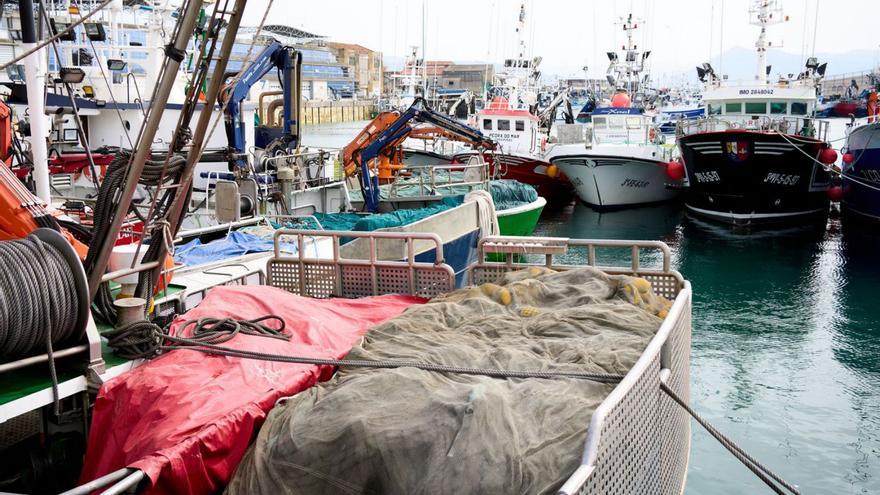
(622, 165)
(759, 155)
(624, 162)
(512, 118)
(390, 181)
(861, 171)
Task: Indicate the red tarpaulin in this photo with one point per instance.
(186, 418)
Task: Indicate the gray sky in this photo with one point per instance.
(569, 34)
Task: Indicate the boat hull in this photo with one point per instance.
(616, 181)
(745, 177)
(531, 171)
(861, 178)
(522, 220)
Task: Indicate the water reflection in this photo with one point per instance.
(786, 345)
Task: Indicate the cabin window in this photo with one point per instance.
(714, 109)
(633, 122)
(487, 124)
(598, 122)
(615, 123)
(756, 107)
(733, 107)
(503, 125)
(520, 125)
(798, 108)
(778, 107)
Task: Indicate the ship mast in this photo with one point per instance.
(35, 76)
(764, 13)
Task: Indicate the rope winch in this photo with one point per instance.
(43, 297)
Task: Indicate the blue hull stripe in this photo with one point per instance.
(460, 253)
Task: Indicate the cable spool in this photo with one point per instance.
(43, 295)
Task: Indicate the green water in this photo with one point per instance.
(786, 344)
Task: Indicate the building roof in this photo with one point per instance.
(291, 34)
(349, 46)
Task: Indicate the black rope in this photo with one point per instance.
(38, 302)
(754, 466)
(106, 206)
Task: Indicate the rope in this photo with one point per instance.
(38, 301)
(754, 466)
(825, 166)
(55, 38)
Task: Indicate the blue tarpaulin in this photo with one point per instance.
(235, 244)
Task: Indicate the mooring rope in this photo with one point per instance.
(38, 301)
(144, 339)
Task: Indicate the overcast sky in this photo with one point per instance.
(569, 34)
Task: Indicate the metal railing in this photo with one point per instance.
(802, 126)
(330, 274)
(439, 180)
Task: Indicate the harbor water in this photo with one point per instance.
(786, 339)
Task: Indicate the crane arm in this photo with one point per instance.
(287, 61)
(369, 146)
(548, 115)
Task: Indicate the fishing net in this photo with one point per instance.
(408, 431)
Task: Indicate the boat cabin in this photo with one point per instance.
(514, 130)
(613, 125)
(745, 102)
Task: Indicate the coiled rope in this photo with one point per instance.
(38, 301)
(144, 339)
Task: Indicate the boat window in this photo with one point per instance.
(633, 122)
(778, 107)
(520, 125)
(615, 123)
(714, 109)
(598, 122)
(733, 107)
(798, 108)
(503, 125)
(487, 124)
(753, 107)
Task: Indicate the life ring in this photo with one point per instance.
(652, 134)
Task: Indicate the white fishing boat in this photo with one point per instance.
(623, 161)
(622, 164)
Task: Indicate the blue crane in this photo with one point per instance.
(288, 62)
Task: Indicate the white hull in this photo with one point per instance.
(614, 181)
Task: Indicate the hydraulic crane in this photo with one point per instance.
(272, 139)
(383, 137)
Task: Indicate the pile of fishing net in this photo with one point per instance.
(405, 430)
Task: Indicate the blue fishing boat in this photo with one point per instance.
(861, 171)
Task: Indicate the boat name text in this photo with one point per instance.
(761, 91)
(782, 179)
(710, 176)
(641, 184)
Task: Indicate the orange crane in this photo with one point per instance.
(378, 149)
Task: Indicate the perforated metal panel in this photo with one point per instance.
(20, 427)
(639, 439)
(342, 277)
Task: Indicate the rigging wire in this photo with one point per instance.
(75, 3)
(76, 117)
